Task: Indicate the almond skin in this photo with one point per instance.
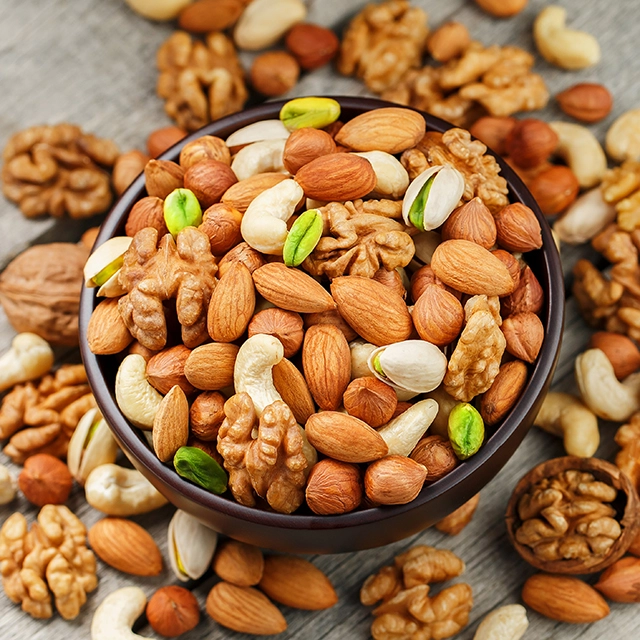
(337, 177)
(345, 438)
(242, 194)
(273, 73)
(171, 424)
(438, 316)
(394, 480)
(472, 221)
(448, 41)
(396, 130)
(509, 261)
(172, 611)
(621, 581)
(370, 400)
(375, 312)
(203, 16)
(502, 395)
(620, 350)
(334, 487)
(564, 599)
(106, 332)
(332, 316)
(305, 145)
(210, 367)
(587, 102)
(166, 369)
(209, 180)
(295, 582)
(524, 334)
(292, 386)
(518, 228)
(239, 563)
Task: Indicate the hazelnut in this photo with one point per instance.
(287, 326)
(208, 180)
(172, 611)
(472, 221)
(510, 261)
(166, 369)
(391, 279)
(448, 41)
(394, 480)
(45, 480)
(305, 145)
(587, 102)
(504, 392)
(554, 189)
(274, 73)
(242, 252)
(438, 316)
(370, 400)
(524, 334)
(312, 46)
(493, 131)
(518, 228)
(162, 139)
(162, 177)
(334, 487)
(204, 148)
(206, 415)
(147, 212)
(423, 277)
(127, 168)
(332, 316)
(221, 223)
(620, 350)
(527, 296)
(531, 142)
(437, 455)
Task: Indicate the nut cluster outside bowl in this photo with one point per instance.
(305, 532)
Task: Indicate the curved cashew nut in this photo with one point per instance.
(585, 218)
(564, 415)
(29, 357)
(509, 622)
(580, 149)
(117, 491)
(7, 485)
(117, 613)
(403, 433)
(602, 392)
(258, 132)
(623, 137)
(253, 369)
(563, 47)
(392, 178)
(259, 157)
(264, 224)
(137, 399)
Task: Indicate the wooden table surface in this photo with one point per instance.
(92, 62)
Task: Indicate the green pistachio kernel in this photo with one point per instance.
(466, 430)
(377, 366)
(416, 212)
(181, 209)
(195, 465)
(181, 568)
(102, 276)
(304, 235)
(309, 112)
(92, 431)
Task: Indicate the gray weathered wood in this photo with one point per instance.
(92, 62)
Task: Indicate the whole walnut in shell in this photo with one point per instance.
(40, 291)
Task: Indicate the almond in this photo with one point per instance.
(163, 139)
(511, 262)
(127, 168)
(312, 45)
(334, 487)
(502, 395)
(527, 296)
(621, 581)
(232, 304)
(493, 131)
(394, 480)
(531, 142)
(518, 228)
(209, 180)
(370, 400)
(472, 221)
(438, 316)
(125, 546)
(244, 609)
(375, 312)
(524, 334)
(326, 361)
(396, 130)
(587, 102)
(343, 437)
(295, 582)
(203, 16)
(147, 212)
(166, 369)
(242, 194)
(210, 367)
(564, 599)
(291, 289)
(287, 326)
(620, 350)
(292, 386)
(162, 177)
(470, 268)
(242, 252)
(106, 332)
(305, 145)
(171, 424)
(337, 177)
(239, 563)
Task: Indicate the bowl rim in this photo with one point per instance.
(553, 286)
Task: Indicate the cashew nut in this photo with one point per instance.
(258, 132)
(253, 369)
(158, 9)
(360, 352)
(392, 178)
(585, 218)
(259, 157)
(403, 433)
(440, 424)
(563, 47)
(601, 391)
(506, 623)
(29, 357)
(580, 149)
(117, 491)
(117, 613)
(7, 485)
(137, 399)
(264, 224)
(623, 137)
(565, 416)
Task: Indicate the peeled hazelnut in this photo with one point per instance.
(127, 168)
(334, 487)
(242, 252)
(45, 480)
(528, 296)
(146, 212)
(421, 279)
(287, 326)
(448, 41)
(554, 189)
(172, 611)
(305, 145)
(162, 139)
(437, 455)
(587, 102)
(208, 180)
(394, 480)
(221, 223)
(312, 46)
(620, 350)
(493, 131)
(524, 334)
(371, 400)
(206, 415)
(472, 221)
(166, 369)
(204, 148)
(332, 316)
(438, 316)
(531, 142)
(518, 228)
(274, 73)
(510, 261)
(162, 177)
(504, 392)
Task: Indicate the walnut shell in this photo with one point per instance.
(40, 291)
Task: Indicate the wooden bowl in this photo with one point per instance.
(626, 504)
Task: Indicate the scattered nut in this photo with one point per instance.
(274, 73)
(587, 102)
(313, 46)
(45, 480)
(448, 41)
(623, 137)
(172, 611)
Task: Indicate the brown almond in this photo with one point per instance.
(621, 581)
(166, 369)
(312, 45)
(509, 261)
(242, 252)
(204, 16)
(587, 102)
(160, 140)
(472, 221)
(273, 73)
(504, 392)
(438, 316)
(147, 212)
(210, 366)
(518, 228)
(297, 583)
(171, 424)
(620, 350)
(125, 546)
(375, 312)
(334, 487)
(106, 332)
(370, 400)
(291, 289)
(345, 438)
(305, 145)
(524, 334)
(394, 480)
(239, 563)
(209, 180)
(243, 193)
(162, 177)
(292, 386)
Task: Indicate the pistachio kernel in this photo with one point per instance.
(92, 430)
(304, 235)
(181, 209)
(416, 212)
(377, 366)
(309, 112)
(198, 467)
(466, 430)
(106, 261)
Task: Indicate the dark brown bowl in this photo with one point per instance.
(306, 532)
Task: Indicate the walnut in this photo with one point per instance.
(474, 62)
(621, 187)
(568, 516)
(419, 88)
(183, 270)
(266, 458)
(475, 362)
(57, 169)
(361, 241)
(40, 291)
(383, 42)
(628, 458)
(424, 565)
(200, 82)
(596, 296)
